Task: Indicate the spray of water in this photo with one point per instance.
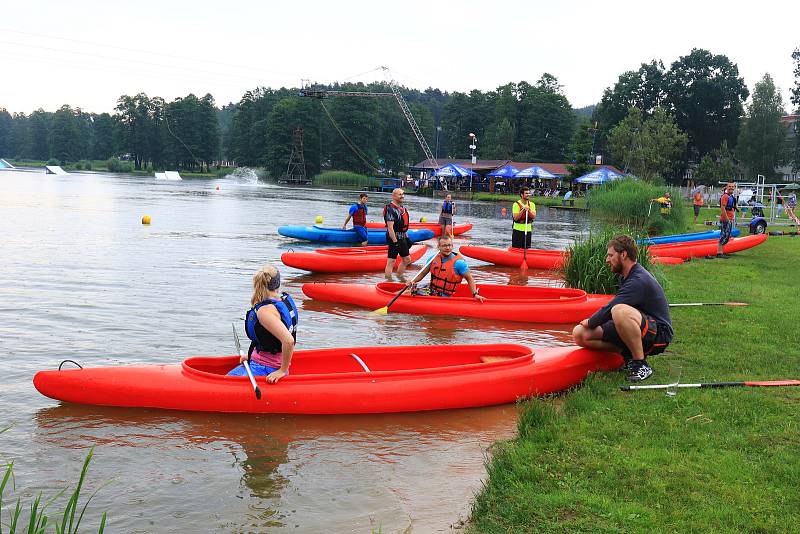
(243, 175)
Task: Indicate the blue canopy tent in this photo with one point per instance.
(536, 172)
(509, 171)
(600, 176)
(451, 170)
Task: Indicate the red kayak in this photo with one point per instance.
(706, 247)
(528, 304)
(554, 259)
(458, 229)
(343, 260)
(338, 381)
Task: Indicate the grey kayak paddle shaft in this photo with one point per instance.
(246, 363)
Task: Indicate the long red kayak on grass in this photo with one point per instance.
(553, 259)
(458, 229)
(528, 304)
(348, 259)
(338, 381)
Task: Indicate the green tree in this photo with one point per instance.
(103, 136)
(648, 147)
(546, 121)
(645, 89)
(581, 151)
(717, 166)
(6, 127)
(794, 152)
(38, 143)
(762, 135)
(64, 135)
(290, 113)
(706, 95)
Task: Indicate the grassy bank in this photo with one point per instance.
(539, 201)
(99, 165)
(724, 460)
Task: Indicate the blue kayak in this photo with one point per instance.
(680, 238)
(337, 235)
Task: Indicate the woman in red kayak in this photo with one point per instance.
(271, 325)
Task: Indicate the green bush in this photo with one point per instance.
(344, 179)
(585, 266)
(87, 165)
(627, 203)
(78, 165)
(115, 165)
(52, 162)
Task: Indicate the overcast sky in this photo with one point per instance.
(86, 53)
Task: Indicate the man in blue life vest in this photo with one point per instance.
(396, 217)
(447, 270)
(358, 212)
(523, 212)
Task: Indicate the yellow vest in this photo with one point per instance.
(521, 226)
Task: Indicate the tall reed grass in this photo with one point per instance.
(345, 179)
(585, 266)
(38, 518)
(627, 203)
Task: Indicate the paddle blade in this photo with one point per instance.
(774, 383)
(524, 266)
(258, 393)
(382, 311)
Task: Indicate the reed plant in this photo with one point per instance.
(344, 179)
(585, 264)
(628, 203)
(39, 520)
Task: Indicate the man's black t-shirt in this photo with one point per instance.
(643, 292)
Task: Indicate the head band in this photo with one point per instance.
(275, 282)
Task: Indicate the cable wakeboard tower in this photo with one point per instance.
(320, 93)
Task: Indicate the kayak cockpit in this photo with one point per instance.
(371, 360)
(500, 292)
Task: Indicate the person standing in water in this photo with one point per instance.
(271, 325)
(523, 212)
(397, 218)
(446, 215)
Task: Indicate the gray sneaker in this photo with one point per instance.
(638, 370)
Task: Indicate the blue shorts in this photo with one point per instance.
(256, 368)
(362, 233)
(725, 232)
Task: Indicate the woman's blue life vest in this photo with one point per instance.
(447, 208)
(261, 338)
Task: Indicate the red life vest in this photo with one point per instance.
(360, 216)
(400, 226)
(443, 275)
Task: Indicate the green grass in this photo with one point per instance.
(539, 201)
(103, 166)
(603, 460)
(628, 203)
(345, 179)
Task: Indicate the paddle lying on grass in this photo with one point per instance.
(681, 304)
(385, 309)
(524, 266)
(246, 363)
(716, 385)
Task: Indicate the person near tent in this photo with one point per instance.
(697, 203)
(446, 215)
(523, 211)
(358, 212)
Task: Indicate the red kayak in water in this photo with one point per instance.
(669, 253)
(338, 381)
(344, 260)
(458, 229)
(528, 304)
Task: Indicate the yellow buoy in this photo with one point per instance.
(423, 219)
(318, 220)
(146, 219)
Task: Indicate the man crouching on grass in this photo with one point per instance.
(636, 323)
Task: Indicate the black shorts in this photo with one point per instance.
(402, 247)
(520, 239)
(696, 210)
(652, 337)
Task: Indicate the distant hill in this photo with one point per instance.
(585, 111)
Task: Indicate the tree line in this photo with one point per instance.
(654, 122)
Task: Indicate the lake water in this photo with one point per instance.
(82, 278)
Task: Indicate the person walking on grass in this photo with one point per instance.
(636, 322)
(523, 212)
(358, 212)
(396, 217)
(697, 203)
(727, 217)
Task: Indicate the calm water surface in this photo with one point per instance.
(82, 278)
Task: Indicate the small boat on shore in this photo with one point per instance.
(346, 260)
(458, 229)
(682, 238)
(708, 247)
(529, 304)
(338, 381)
(337, 235)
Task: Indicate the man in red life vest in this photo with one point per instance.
(396, 217)
(358, 212)
(447, 270)
(727, 216)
